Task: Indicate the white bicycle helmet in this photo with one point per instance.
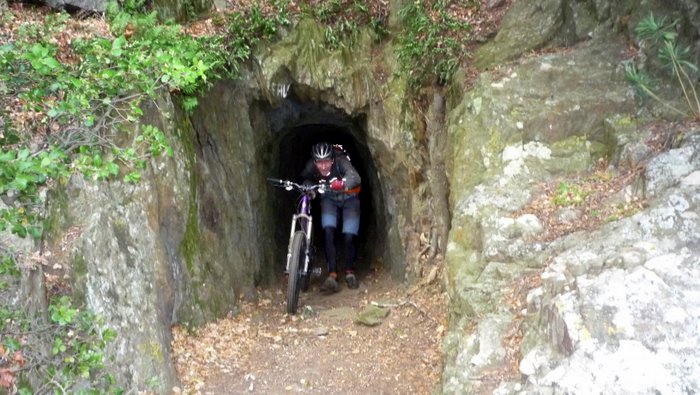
(321, 151)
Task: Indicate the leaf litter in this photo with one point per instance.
(321, 350)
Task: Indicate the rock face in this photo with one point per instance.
(621, 303)
(125, 262)
(182, 246)
(179, 10)
(538, 24)
(204, 229)
(87, 5)
(615, 309)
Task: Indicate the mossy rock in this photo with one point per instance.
(372, 315)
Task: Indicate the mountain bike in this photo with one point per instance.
(298, 268)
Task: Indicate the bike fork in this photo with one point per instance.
(307, 258)
(306, 223)
(289, 244)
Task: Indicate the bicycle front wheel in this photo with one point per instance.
(296, 266)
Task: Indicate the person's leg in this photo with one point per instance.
(329, 239)
(350, 252)
(351, 227)
(329, 218)
(329, 221)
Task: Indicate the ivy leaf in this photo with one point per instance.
(46, 161)
(109, 335)
(19, 230)
(112, 168)
(23, 154)
(39, 50)
(6, 156)
(21, 182)
(35, 231)
(133, 177)
(117, 45)
(97, 160)
(51, 62)
(6, 48)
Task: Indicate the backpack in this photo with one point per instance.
(339, 151)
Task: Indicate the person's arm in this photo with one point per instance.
(348, 172)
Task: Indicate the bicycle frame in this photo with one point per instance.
(303, 221)
(298, 258)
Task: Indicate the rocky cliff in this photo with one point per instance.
(527, 312)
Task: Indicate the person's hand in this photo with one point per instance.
(337, 185)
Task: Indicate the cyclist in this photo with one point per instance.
(330, 163)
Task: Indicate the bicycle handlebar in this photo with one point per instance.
(303, 188)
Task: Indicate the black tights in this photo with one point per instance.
(348, 238)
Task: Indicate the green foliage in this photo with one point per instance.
(622, 210)
(430, 46)
(343, 19)
(68, 351)
(83, 95)
(95, 163)
(568, 195)
(660, 34)
(147, 56)
(9, 266)
(132, 6)
(339, 25)
(9, 275)
(77, 351)
(246, 29)
(61, 311)
(21, 174)
(86, 94)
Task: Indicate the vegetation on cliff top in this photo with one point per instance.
(73, 90)
(73, 87)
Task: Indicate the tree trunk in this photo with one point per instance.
(33, 293)
(439, 187)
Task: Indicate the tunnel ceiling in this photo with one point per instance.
(296, 125)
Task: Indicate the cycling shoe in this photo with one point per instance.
(330, 285)
(351, 280)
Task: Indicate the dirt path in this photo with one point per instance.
(321, 350)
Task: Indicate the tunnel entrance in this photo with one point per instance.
(296, 126)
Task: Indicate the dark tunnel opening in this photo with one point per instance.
(291, 148)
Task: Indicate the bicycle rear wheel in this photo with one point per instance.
(296, 266)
